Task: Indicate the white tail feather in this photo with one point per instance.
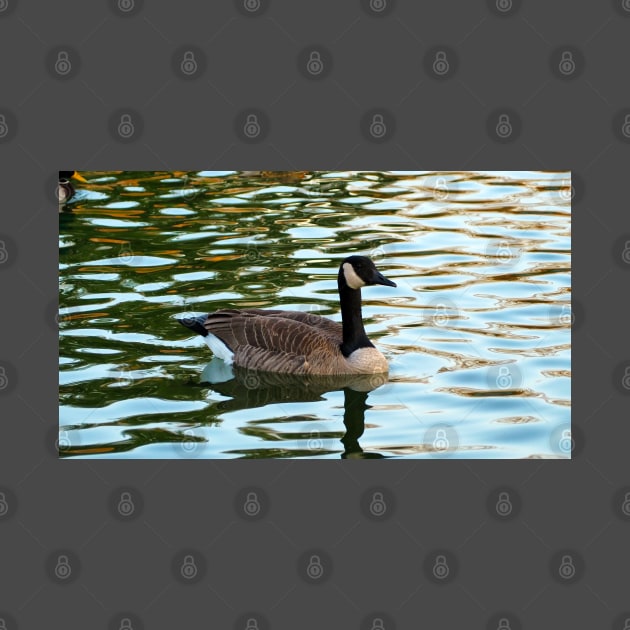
(219, 349)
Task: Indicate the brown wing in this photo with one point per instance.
(324, 325)
(269, 340)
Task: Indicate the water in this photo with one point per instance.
(477, 332)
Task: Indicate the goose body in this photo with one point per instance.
(296, 342)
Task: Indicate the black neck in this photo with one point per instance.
(353, 332)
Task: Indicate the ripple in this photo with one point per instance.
(130, 261)
(179, 193)
(125, 408)
(114, 223)
(122, 205)
(176, 211)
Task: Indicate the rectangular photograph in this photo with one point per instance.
(315, 314)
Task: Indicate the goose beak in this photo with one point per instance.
(381, 279)
(79, 178)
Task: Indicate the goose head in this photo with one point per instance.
(359, 271)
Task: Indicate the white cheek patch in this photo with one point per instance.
(352, 279)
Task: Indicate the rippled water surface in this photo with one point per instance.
(477, 332)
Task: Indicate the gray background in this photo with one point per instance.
(250, 571)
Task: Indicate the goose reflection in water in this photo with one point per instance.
(248, 389)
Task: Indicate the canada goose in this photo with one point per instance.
(296, 342)
(65, 189)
